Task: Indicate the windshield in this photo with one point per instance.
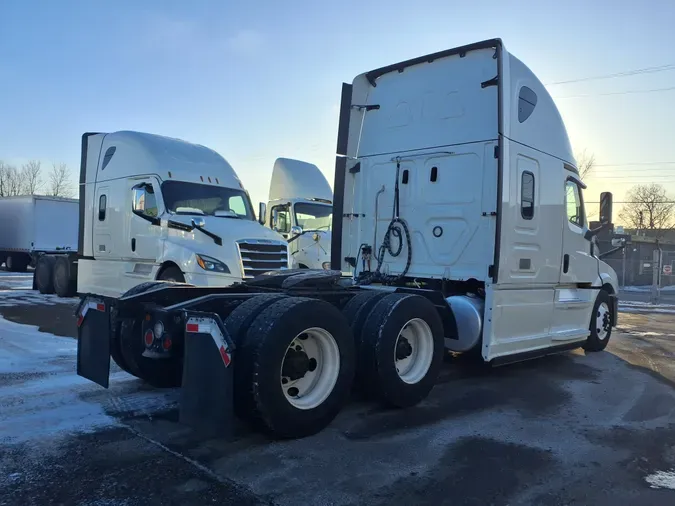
(313, 216)
(194, 198)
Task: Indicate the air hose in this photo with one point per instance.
(397, 228)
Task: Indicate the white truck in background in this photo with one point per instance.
(300, 208)
(31, 225)
(458, 213)
(155, 208)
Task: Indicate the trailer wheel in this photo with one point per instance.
(127, 350)
(601, 323)
(16, 262)
(44, 274)
(239, 320)
(402, 350)
(295, 368)
(65, 285)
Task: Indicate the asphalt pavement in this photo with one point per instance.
(596, 429)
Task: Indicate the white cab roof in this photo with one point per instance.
(293, 179)
(142, 153)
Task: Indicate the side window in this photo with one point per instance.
(527, 195)
(574, 204)
(102, 202)
(144, 202)
(527, 101)
(282, 222)
(236, 205)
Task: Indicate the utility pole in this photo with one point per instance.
(656, 274)
(623, 267)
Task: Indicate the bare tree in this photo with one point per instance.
(59, 180)
(648, 208)
(30, 177)
(585, 163)
(11, 182)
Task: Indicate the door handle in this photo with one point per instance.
(133, 245)
(566, 263)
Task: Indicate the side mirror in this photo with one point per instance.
(198, 222)
(296, 230)
(275, 220)
(262, 213)
(605, 207)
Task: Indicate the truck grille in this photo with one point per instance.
(258, 256)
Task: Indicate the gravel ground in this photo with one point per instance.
(569, 429)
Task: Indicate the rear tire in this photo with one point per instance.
(271, 377)
(402, 350)
(16, 262)
(239, 320)
(357, 310)
(65, 285)
(601, 323)
(44, 274)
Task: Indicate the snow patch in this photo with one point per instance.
(50, 404)
(662, 479)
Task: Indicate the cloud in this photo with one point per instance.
(245, 42)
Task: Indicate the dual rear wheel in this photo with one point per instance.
(296, 357)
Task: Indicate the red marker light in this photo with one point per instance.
(166, 344)
(149, 337)
(192, 327)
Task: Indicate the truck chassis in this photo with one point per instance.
(282, 351)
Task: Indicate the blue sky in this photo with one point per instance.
(258, 80)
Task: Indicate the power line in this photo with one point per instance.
(626, 73)
(632, 164)
(632, 202)
(628, 92)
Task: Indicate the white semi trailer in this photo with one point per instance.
(300, 209)
(458, 213)
(31, 225)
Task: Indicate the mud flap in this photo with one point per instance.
(206, 397)
(93, 342)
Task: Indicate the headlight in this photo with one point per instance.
(326, 266)
(211, 264)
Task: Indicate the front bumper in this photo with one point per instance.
(204, 279)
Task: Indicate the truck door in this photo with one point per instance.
(573, 298)
(144, 230)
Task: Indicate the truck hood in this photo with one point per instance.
(229, 230)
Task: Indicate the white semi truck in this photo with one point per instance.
(157, 208)
(459, 214)
(300, 209)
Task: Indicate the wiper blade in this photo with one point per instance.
(216, 238)
(189, 228)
